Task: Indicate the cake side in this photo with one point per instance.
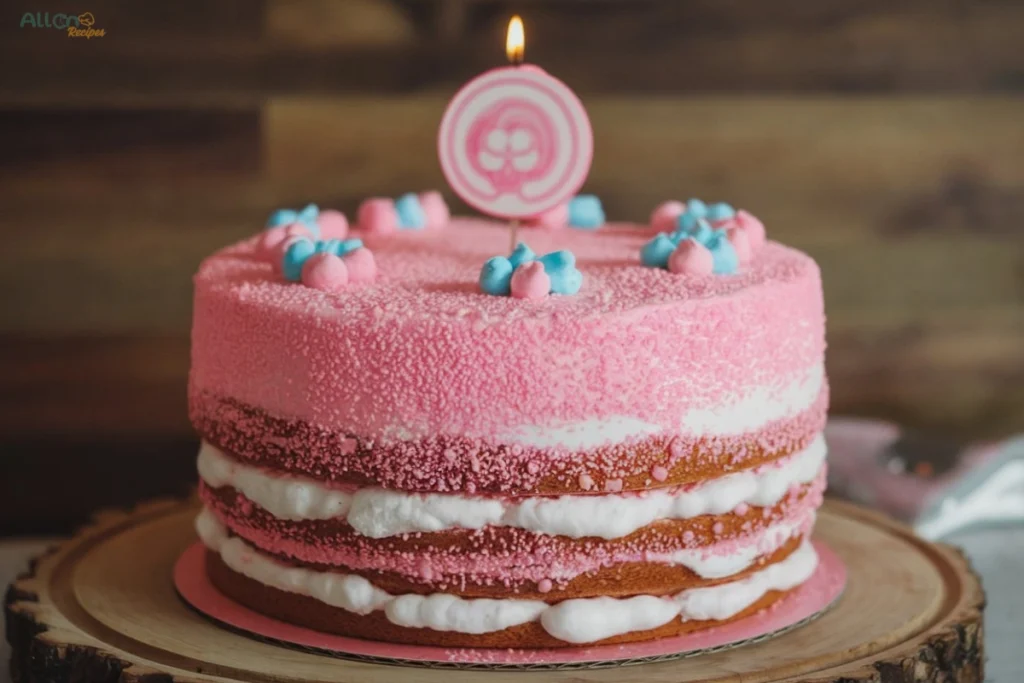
(415, 461)
(695, 375)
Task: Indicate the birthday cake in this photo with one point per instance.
(411, 433)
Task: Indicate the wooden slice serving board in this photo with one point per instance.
(102, 607)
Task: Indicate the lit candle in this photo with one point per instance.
(515, 141)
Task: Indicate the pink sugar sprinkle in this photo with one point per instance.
(688, 536)
(659, 473)
(613, 485)
(348, 446)
(586, 482)
(544, 586)
(676, 449)
(718, 528)
(533, 467)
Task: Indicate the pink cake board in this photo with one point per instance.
(801, 606)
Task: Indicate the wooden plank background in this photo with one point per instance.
(886, 139)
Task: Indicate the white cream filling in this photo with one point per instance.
(379, 513)
(741, 413)
(575, 621)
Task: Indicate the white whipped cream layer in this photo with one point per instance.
(379, 513)
(583, 620)
(738, 414)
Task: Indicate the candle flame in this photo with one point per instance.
(515, 41)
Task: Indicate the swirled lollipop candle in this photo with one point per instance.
(515, 141)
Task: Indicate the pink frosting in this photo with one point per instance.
(421, 356)
(333, 225)
(435, 209)
(665, 215)
(378, 216)
(325, 272)
(530, 281)
(691, 258)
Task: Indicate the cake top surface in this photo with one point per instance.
(434, 274)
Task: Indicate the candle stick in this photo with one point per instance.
(515, 142)
(513, 229)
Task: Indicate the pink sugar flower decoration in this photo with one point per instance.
(271, 239)
(435, 209)
(691, 258)
(530, 281)
(362, 267)
(377, 215)
(552, 219)
(325, 272)
(333, 225)
(753, 227)
(740, 242)
(665, 215)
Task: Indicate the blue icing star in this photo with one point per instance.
(696, 207)
(697, 228)
(295, 257)
(496, 276)
(338, 247)
(656, 252)
(411, 215)
(299, 252)
(520, 255)
(561, 268)
(720, 212)
(696, 211)
(308, 217)
(726, 261)
(585, 211)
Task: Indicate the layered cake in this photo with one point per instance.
(419, 437)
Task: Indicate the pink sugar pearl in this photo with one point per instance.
(691, 258)
(544, 586)
(333, 225)
(665, 215)
(377, 215)
(659, 473)
(740, 242)
(435, 209)
(362, 267)
(753, 227)
(325, 272)
(530, 281)
(551, 219)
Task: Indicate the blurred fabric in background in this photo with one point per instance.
(885, 139)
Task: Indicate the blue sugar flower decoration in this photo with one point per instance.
(696, 211)
(560, 266)
(307, 216)
(302, 249)
(585, 211)
(726, 260)
(695, 224)
(411, 215)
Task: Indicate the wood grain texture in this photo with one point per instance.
(100, 608)
(913, 208)
(237, 52)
